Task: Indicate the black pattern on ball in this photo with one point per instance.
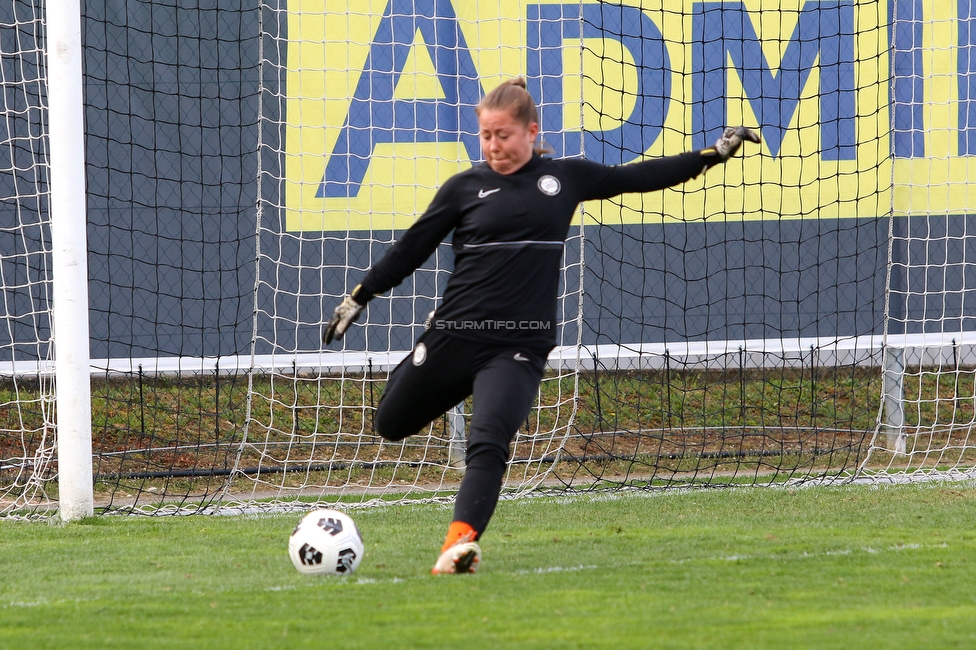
(330, 525)
(309, 555)
(347, 557)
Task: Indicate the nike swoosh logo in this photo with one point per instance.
(519, 357)
(483, 193)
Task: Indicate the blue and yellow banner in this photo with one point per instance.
(933, 91)
(380, 99)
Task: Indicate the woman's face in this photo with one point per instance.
(505, 142)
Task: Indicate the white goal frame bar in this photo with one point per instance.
(69, 260)
(930, 349)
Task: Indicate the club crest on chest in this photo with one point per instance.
(549, 185)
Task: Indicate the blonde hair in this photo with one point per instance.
(511, 96)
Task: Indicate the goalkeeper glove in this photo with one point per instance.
(726, 146)
(344, 315)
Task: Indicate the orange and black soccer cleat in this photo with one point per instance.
(460, 553)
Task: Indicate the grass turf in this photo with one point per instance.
(820, 567)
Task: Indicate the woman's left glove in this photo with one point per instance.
(726, 146)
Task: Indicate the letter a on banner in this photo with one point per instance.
(375, 116)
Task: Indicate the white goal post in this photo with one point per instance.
(69, 261)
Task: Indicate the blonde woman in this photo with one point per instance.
(492, 333)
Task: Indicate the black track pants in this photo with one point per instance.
(444, 370)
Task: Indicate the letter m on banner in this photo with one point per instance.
(823, 38)
(375, 116)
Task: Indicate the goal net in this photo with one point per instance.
(929, 395)
(27, 432)
(798, 314)
(726, 331)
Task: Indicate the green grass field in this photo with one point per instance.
(841, 567)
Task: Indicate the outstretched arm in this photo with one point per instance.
(410, 251)
(659, 173)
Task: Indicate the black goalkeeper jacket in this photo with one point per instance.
(509, 232)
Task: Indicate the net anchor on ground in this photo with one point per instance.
(456, 444)
(893, 425)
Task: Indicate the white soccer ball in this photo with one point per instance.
(326, 542)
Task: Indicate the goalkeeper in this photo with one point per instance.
(492, 333)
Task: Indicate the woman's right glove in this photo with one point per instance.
(344, 315)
